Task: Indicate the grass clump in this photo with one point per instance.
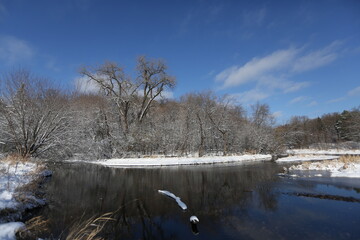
(89, 229)
(34, 228)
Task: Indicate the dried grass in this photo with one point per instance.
(34, 227)
(89, 229)
(350, 159)
(14, 159)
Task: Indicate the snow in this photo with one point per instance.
(324, 152)
(173, 161)
(307, 158)
(181, 204)
(8, 230)
(13, 176)
(336, 168)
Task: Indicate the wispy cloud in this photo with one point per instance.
(2, 11)
(317, 58)
(14, 50)
(272, 73)
(312, 104)
(336, 100)
(255, 17)
(286, 62)
(250, 96)
(256, 68)
(354, 92)
(299, 99)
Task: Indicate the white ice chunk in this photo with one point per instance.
(173, 196)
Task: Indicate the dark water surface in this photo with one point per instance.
(231, 201)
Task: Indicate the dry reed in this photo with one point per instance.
(33, 228)
(88, 230)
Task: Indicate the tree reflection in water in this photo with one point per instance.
(234, 202)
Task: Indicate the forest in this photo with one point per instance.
(129, 117)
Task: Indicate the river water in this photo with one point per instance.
(247, 201)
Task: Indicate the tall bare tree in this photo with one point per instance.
(132, 97)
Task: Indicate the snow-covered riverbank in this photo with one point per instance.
(174, 161)
(302, 158)
(15, 196)
(337, 152)
(343, 167)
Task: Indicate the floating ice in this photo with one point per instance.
(173, 196)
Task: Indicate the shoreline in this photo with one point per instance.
(19, 182)
(180, 161)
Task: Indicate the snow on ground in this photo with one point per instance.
(324, 152)
(336, 168)
(302, 158)
(13, 176)
(8, 230)
(173, 161)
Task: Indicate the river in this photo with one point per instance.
(244, 201)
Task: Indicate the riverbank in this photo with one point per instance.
(178, 161)
(306, 157)
(19, 182)
(336, 152)
(345, 166)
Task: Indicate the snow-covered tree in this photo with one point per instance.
(33, 114)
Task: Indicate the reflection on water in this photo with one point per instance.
(231, 202)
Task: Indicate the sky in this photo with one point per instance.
(299, 57)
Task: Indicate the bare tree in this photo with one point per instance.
(131, 96)
(154, 80)
(33, 115)
(115, 85)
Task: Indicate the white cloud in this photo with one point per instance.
(313, 103)
(286, 62)
(254, 69)
(336, 100)
(354, 92)
(85, 85)
(299, 99)
(272, 73)
(13, 50)
(277, 114)
(317, 58)
(290, 86)
(351, 93)
(250, 96)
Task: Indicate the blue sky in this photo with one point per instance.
(300, 57)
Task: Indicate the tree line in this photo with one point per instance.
(128, 117)
(332, 128)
